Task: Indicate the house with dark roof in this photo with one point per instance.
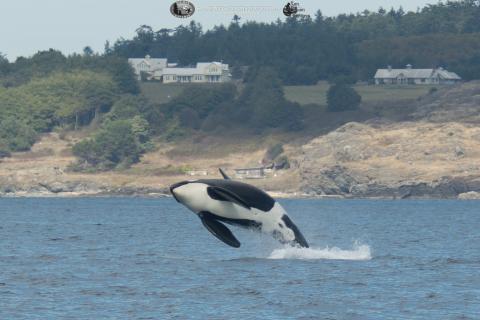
(415, 76)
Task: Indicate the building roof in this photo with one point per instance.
(416, 73)
(448, 75)
(206, 64)
(154, 63)
(199, 69)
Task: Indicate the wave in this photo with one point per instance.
(358, 252)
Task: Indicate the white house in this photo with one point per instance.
(160, 70)
(148, 65)
(210, 72)
(415, 76)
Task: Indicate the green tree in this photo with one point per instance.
(16, 135)
(263, 104)
(123, 74)
(4, 65)
(341, 97)
(88, 51)
(116, 145)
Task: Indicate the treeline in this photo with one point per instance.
(45, 63)
(304, 50)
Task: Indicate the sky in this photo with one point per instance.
(27, 26)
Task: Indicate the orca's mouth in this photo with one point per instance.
(176, 185)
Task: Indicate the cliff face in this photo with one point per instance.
(435, 154)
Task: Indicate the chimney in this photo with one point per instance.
(409, 66)
(389, 68)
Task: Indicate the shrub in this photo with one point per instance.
(282, 163)
(117, 145)
(4, 150)
(341, 97)
(263, 103)
(16, 135)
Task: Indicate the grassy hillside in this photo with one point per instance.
(318, 93)
(158, 92)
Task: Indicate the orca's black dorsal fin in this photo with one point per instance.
(224, 175)
(218, 229)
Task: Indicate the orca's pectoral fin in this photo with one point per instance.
(299, 238)
(224, 175)
(218, 229)
(222, 194)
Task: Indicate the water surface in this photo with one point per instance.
(133, 258)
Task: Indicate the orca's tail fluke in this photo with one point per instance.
(299, 238)
(224, 175)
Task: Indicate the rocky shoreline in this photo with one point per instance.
(78, 189)
(447, 189)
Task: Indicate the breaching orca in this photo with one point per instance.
(236, 203)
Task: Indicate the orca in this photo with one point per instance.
(218, 202)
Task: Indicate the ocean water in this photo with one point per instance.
(133, 258)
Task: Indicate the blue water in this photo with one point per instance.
(124, 258)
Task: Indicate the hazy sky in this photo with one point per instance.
(27, 26)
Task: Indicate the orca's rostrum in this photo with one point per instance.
(218, 201)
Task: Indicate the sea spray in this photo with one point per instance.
(358, 252)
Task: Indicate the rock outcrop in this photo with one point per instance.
(402, 160)
(471, 195)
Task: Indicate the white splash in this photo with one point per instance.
(359, 252)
